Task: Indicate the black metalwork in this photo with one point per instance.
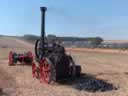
(61, 65)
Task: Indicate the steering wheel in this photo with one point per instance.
(38, 49)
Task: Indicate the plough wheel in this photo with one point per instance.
(11, 58)
(46, 71)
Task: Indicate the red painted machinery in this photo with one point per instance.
(53, 62)
(25, 58)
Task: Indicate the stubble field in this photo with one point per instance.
(103, 74)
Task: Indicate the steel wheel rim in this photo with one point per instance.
(45, 71)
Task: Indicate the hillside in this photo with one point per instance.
(11, 42)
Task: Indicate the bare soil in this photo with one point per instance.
(103, 74)
(98, 50)
(116, 41)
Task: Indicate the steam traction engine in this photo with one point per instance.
(53, 62)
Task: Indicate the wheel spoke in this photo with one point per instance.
(45, 71)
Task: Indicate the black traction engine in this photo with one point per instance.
(53, 62)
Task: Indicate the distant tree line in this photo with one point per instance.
(93, 40)
(1, 35)
(30, 38)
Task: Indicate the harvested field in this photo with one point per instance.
(7, 82)
(116, 41)
(103, 74)
(9, 42)
(99, 50)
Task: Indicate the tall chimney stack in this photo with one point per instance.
(43, 10)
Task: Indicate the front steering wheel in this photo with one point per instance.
(38, 49)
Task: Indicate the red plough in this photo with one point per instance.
(25, 58)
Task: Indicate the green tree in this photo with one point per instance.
(96, 41)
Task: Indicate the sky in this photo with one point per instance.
(79, 18)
